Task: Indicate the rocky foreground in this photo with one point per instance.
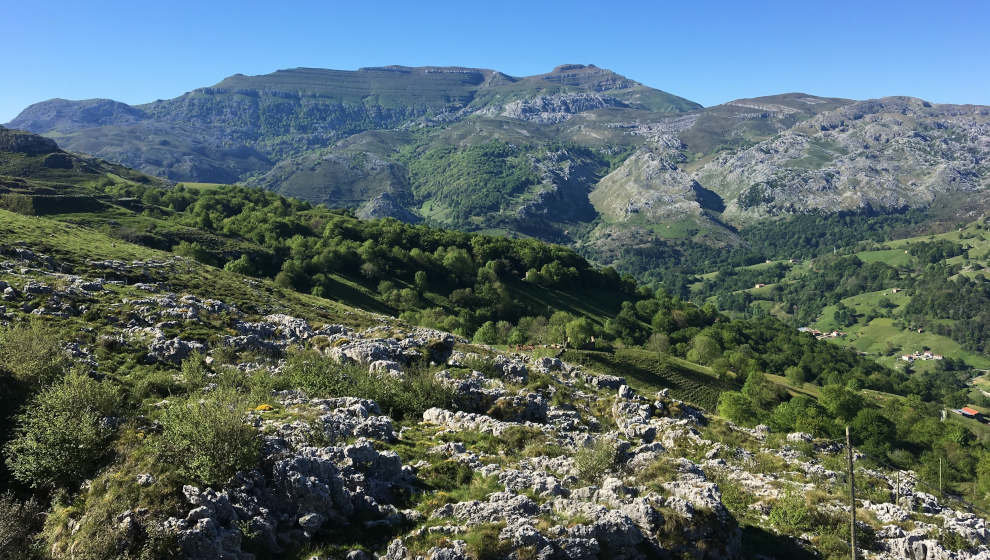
(534, 458)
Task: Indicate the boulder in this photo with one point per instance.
(173, 350)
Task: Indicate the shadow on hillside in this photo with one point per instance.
(760, 543)
(708, 199)
(354, 297)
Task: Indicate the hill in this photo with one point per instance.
(203, 371)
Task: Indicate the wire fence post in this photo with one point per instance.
(852, 496)
(941, 495)
(897, 488)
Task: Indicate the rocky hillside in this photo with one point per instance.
(433, 449)
(873, 155)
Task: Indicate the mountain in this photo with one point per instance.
(888, 153)
(628, 175)
(243, 124)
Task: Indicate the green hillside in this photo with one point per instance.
(166, 346)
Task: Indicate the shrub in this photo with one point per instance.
(405, 397)
(19, 521)
(595, 461)
(447, 475)
(658, 472)
(208, 439)
(32, 353)
(951, 540)
(63, 434)
(542, 448)
(515, 438)
(791, 514)
(483, 542)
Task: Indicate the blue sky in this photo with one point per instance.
(710, 52)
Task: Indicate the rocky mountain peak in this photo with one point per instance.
(571, 67)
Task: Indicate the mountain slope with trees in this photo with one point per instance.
(221, 371)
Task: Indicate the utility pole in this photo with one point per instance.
(897, 488)
(852, 496)
(940, 478)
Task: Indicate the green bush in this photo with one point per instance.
(32, 353)
(595, 461)
(62, 436)
(951, 540)
(791, 514)
(516, 438)
(738, 408)
(403, 398)
(208, 439)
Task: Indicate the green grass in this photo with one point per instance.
(75, 246)
(644, 372)
(893, 257)
(874, 332)
(879, 336)
(807, 389)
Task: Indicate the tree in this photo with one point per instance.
(62, 435)
(737, 407)
(195, 251)
(983, 472)
(580, 331)
(704, 349)
(517, 336)
(421, 281)
(241, 265)
(841, 402)
(795, 376)
(763, 393)
(458, 262)
(626, 326)
(870, 428)
(557, 327)
(486, 333)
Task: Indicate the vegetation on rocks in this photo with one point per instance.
(225, 372)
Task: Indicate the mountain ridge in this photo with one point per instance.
(579, 155)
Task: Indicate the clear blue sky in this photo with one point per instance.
(710, 52)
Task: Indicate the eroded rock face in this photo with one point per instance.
(367, 352)
(552, 109)
(857, 157)
(308, 489)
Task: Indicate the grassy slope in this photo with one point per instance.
(648, 372)
(78, 245)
